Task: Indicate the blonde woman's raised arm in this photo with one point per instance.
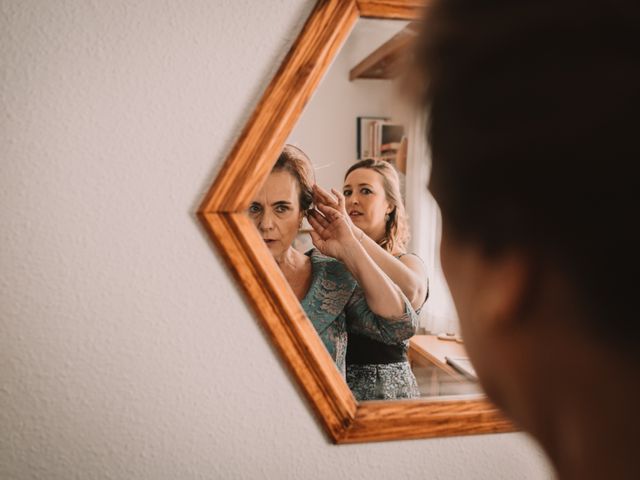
(407, 272)
(332, 236)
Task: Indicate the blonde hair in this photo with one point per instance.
(396, 231)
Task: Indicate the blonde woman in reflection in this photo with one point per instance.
(372, 202)
(339, 286)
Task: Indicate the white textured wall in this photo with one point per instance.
(326, 130)
(125, 350)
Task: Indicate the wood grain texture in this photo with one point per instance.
(423, 418)
(435, 351)
(273, 301)
(258, 147)
(392, 9)
(283, 319)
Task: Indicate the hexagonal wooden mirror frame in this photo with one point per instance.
(222, 213)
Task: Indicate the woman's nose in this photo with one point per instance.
(266, 221)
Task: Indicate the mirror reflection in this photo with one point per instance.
(347, 216)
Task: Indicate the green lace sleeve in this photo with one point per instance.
(361, 320)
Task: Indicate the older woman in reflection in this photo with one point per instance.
(372, 202)
(340, 287)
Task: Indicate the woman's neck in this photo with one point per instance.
(289, 259)
(296, 268)
(377, 235)
(582, 409)
(588, 441)
(380, 238)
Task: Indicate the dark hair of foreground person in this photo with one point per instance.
(533, 129)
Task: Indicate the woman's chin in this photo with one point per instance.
(362, 225)
(359, 222)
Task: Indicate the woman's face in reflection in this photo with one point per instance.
(366, 201)
(275, 210)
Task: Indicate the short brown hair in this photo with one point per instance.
(296, 162)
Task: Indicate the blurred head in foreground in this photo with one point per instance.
(533, 129)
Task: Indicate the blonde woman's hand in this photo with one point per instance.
(337, 202)
(331, 232)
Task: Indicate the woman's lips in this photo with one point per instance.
(354, 214)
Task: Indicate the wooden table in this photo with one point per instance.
(434, 375)
(429, 348)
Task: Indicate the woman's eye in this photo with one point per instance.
(346, 193)
(366, 191)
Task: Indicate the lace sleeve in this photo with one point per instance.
(361, 320)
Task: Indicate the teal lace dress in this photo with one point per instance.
(336, 306)
(379, 370)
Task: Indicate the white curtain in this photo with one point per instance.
(438, 314)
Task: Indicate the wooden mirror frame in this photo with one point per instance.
(223, 216)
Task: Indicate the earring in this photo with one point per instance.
(387, 217)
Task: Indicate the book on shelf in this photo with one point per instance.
(381, 138)
(365, 133)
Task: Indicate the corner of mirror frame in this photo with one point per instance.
(280, 313)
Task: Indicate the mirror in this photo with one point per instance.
(223, 213)
(358, 112)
